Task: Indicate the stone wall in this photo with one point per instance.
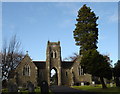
(23, 79)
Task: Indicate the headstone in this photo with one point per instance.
(82, 83)
(18, 90)
(44, 87)
(93, 83)
(111, 84)
(30, 87)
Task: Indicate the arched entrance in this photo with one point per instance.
(53, 77)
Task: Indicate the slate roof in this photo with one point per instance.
(40, 64)
(66, 64)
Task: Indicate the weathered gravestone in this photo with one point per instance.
(82, 83)
(44, 87)
(111, 84)
(93, 83)
(30, 87)
(12, 87)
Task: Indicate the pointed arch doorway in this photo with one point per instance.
(53, 76)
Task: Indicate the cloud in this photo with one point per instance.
(12, 27)
(114, 17)
(70, 8)
(66, 23)
(31, 20)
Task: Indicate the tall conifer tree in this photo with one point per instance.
(86, 36)
(86, 31)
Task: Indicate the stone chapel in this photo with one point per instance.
(67, 72)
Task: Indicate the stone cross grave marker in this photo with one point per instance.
(30, 87)
(44, 87)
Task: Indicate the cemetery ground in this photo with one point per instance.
(98, 88)
(88, 88)
(25, 91)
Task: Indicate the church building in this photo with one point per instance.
(66, 72)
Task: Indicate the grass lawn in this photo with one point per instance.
(37, 90)
(98, 88)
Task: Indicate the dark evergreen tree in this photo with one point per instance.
(86, 36)
(117, 73)
(86, 31)
(97, 65)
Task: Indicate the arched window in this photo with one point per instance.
(80, 70)
(54, 54)
(26, 70)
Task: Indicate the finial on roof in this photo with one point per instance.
(48, 41)
(58, 42)
(26, 52)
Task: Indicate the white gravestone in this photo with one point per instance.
(111, 84)
(82, 83)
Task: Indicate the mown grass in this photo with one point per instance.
(98, 88)
(23, 91)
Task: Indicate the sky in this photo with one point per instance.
(60, 0)
(36, 23)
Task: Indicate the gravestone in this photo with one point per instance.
(44, 87)
(30, 87)
(93, 83)
(82, 83)
(111, 84)
(18, 90)
(12, 87)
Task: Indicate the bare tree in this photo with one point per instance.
(72, 57)
(11, 56)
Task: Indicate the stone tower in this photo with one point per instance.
(53, 60)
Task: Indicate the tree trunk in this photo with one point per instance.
(103, 83)
(117, 82)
